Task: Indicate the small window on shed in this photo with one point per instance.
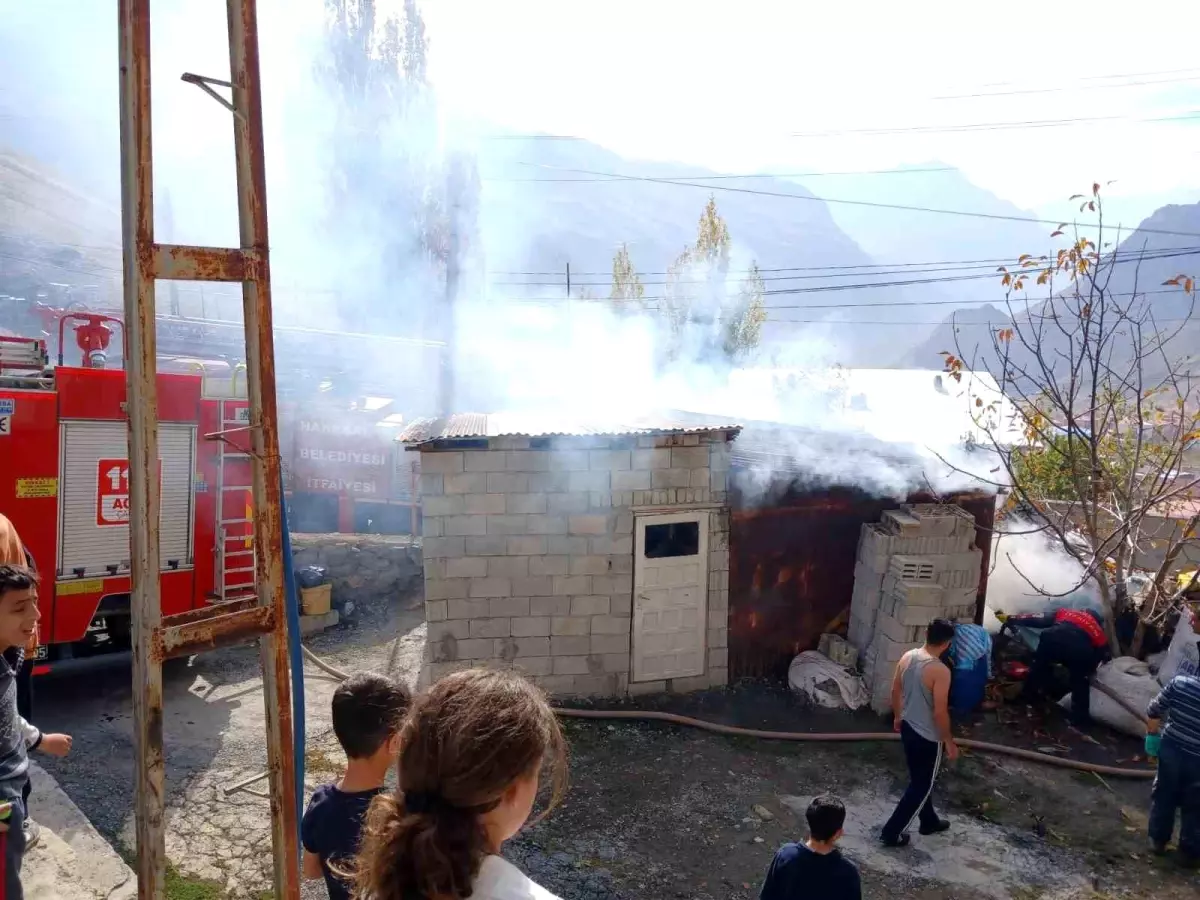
(674, 539)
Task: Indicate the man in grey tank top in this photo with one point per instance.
(920, 704)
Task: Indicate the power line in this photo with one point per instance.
(873, 204)
(909, 323)
(1185, 116)
(1076, 87)
(645, 302)
(1002, 260)
(915, 170)
(995, 126)
(991, 269)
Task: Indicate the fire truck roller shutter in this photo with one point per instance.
(92, 535)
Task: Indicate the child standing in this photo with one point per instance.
(368, 711)
(471, 755)
(815, 869)
(18, 619)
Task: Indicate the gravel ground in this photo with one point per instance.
(214, 735)
(653, 811)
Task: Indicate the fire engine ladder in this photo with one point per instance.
(235, 549)
(263, 617)
(24, 355)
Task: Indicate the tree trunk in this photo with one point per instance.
(1139, 635)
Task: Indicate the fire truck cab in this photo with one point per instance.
(64, 483)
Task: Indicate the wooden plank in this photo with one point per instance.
(268, 482)
(137, 226)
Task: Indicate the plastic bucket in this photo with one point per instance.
(968, 687)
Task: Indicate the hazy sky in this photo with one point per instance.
(739, 86)
(735, 85)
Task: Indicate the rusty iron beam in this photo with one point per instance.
(217, 609)
(137, 233)
(268, 484)
(179, 263)
(214, 632)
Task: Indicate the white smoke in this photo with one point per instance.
(338, 271)
(1029, 573)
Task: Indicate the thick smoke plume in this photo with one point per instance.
(362, 207)
(1029, 574)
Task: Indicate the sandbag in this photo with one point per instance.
(1183, 656)
(1130, 679)
(824, 682)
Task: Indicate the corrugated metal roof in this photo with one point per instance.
(533, 424)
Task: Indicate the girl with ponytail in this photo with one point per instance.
(472, 751)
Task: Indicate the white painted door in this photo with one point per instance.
(670, 596)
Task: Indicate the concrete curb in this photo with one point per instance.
(71, 860)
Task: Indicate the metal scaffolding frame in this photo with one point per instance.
(155, 638)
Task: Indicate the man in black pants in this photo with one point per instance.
(920, 705)
(1073, 638)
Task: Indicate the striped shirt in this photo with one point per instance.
(971, 643)
(1179, 704)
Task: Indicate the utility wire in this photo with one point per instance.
(966, 267)
(645, 302)
(1002, 260)
(995, 126)
(1019, 125)
(915, 170)
(1057, 90)
(1188, 75)
(867, 203)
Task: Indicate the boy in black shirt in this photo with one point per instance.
(368, 711)
(814, 869)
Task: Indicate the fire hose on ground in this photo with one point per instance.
(815, 737)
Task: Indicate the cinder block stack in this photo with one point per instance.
(918, 564)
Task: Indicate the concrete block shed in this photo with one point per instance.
(593, 558)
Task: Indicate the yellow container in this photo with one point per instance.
(314, 601)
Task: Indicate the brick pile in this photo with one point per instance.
(918, 564)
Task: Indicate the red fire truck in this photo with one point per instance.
(64, 483)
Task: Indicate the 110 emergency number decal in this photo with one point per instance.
(112, 491)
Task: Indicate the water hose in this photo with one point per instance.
(638, 715)
(292, 602)
(847, 737)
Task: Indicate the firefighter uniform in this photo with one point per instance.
(1074, 639)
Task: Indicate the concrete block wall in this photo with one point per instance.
(529, 553)
(918, 564)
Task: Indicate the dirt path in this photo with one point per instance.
(653, 812)
(214, 728)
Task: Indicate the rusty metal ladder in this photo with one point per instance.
(263, 617)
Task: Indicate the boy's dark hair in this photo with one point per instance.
(941, 631)
(826, 816)
(16, 578)
(367, 710)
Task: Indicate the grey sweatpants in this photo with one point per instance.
(14, 840)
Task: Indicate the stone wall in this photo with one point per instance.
(368, 571)
(529, 553)
(919, 564)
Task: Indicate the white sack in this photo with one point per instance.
(1131, 680)
(826, 683)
